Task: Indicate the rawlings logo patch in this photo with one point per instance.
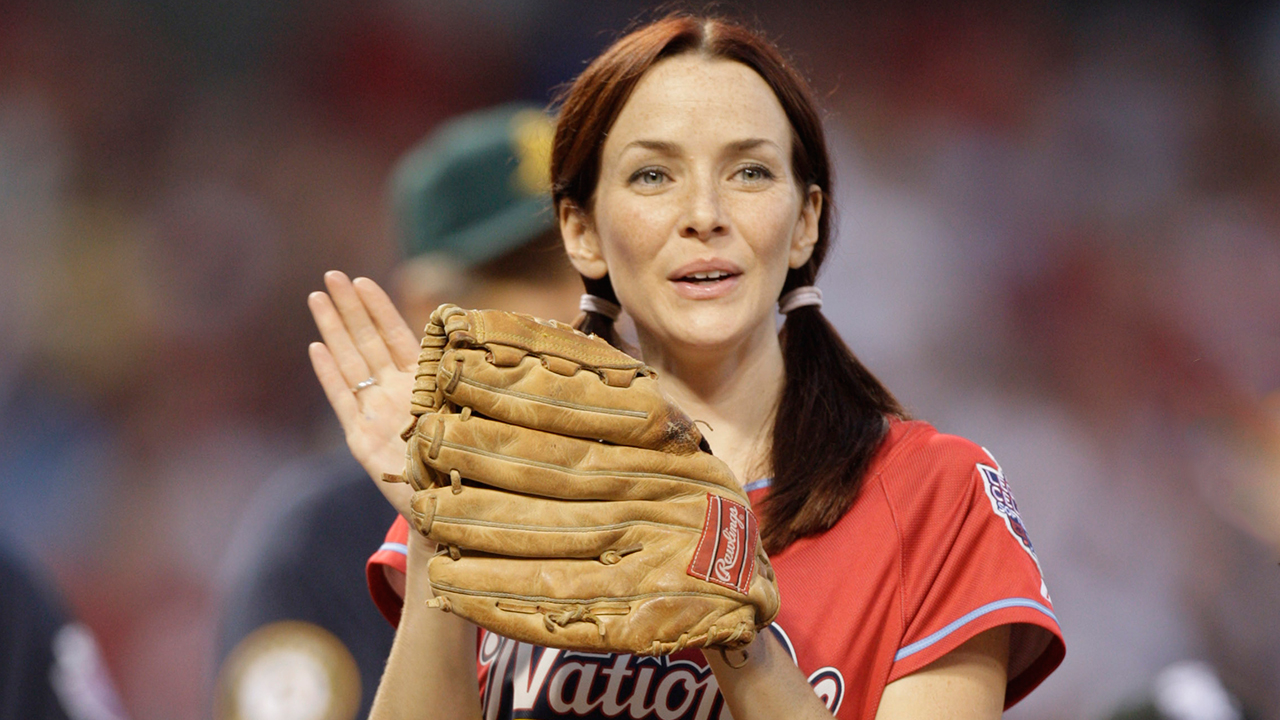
(726, 552)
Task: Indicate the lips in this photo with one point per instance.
(705, 279)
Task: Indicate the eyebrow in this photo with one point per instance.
(751, 144)
(662, 146)
(670, 148)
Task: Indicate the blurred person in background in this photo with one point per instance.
(300, 637)
(50, 665)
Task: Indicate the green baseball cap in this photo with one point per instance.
(477, 186)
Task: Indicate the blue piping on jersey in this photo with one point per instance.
(757, 484)
(395, 547)
(969, 617)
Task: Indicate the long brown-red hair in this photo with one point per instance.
(832, 413)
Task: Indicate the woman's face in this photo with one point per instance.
(697, 215)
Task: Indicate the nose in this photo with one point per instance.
(704, 216)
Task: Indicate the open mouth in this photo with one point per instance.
(706, 278)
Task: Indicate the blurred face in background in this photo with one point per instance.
(533, 278)
(697, 214)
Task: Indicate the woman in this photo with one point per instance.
(693, 186)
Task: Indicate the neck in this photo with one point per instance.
(733, 392)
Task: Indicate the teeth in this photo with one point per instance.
(713, 275)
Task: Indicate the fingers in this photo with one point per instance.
(363, 332)
(341, 349)
(334, 382)
(400, 339)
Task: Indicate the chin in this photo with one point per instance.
(710, 331)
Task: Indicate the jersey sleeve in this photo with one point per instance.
(968, 565)
(392, 555)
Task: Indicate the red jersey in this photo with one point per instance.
(931, 553)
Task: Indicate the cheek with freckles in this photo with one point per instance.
(768, 226)
(631, 241)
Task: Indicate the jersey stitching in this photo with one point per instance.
(897, 527)
(967, 618)
(902, 562)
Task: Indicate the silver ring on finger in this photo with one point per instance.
(366, 383)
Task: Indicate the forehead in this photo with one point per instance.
(692, 99)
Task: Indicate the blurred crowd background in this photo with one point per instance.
(1059, 235)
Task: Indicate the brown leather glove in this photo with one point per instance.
(576, 506)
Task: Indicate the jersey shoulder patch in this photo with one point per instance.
(997, 488)
(1002, 502)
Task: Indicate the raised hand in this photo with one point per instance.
(365, 366)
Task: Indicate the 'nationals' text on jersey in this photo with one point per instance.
(523, 680)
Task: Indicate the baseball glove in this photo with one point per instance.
(574, 504)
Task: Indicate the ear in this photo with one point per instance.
(581, 241)
(806, 232)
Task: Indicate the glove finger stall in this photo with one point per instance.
(547, 338)
(528, 461)
(540, 393)
(496, 522)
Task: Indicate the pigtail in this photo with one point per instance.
(598, 323)
(832, 415)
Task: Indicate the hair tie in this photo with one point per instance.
(800, 297)
(597, 304)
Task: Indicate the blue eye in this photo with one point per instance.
(755, 173)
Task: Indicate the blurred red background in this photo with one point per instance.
(1059, 236)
